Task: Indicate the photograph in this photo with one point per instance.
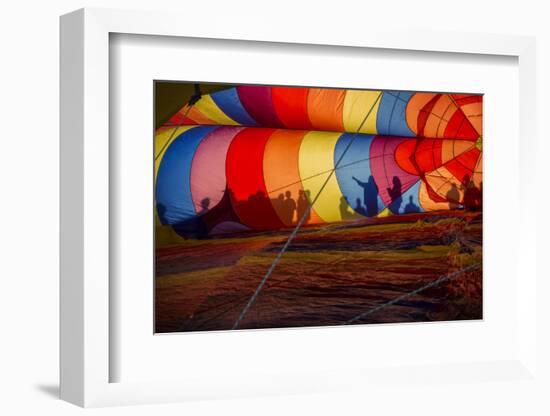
(302, 206)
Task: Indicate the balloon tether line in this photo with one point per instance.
(301, 221)
(197, 95)
(439, 280)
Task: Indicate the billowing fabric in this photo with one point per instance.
(260, 158)
(389, 113)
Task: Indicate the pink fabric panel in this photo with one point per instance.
(208, 181)
(384, 167)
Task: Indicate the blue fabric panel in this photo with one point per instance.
(173, 193)
(408, 203)
(230, 103)
(391, 119)
(354, 174)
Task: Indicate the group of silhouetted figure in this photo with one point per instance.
(472, 199)
(286, 207)
(463, 195)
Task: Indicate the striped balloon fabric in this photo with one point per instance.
(255, 157)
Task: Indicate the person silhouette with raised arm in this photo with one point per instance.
(370, 195)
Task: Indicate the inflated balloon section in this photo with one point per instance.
(255, 157)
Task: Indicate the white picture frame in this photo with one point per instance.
(86, 356)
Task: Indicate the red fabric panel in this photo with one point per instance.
(179, 119)
(427, 156)
(291, 106)
(245, 179)
(463, 99)
(404, 156)
(462, 167)
(459, 127)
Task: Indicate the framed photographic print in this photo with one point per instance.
(285, 213)
(302, 206)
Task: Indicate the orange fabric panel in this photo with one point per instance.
(453, 148)
(325, 108)
(415, 105)
(282, 175)
(474, 113)
(477, 177)
(444, 184)
(199, 118)
(440, 115)
(427, 203)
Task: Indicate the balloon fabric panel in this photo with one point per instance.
(391, 120)
(173, 190)
(355, 176)
(208, 180)
(391, 179)
(230, 103)
(258, 103)
(291, 106)
(245, 179)
(419, 152)
(282, 177)
(359, 105)
(316, 166)
(325, 107)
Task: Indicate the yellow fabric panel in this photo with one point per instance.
(356, 106)
(384, 213)
(209, 109)
(196, 115)
(165, 236)
(316, 162)
(164, 136)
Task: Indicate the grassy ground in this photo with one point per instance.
(328, 275)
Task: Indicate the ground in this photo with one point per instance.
(328, 276)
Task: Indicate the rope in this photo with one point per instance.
(301, 221)
(197, 95)
(433, 283)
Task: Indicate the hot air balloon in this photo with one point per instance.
(256, 157)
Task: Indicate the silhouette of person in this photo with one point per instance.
(453, 196)
(479, 200)
(345, 212)
(411, 207)
(395, 194)
(279, 202)
(370, 195)
(472, 195)
(359, 207)
(205, 203)
(289, 206)
(302, 205)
